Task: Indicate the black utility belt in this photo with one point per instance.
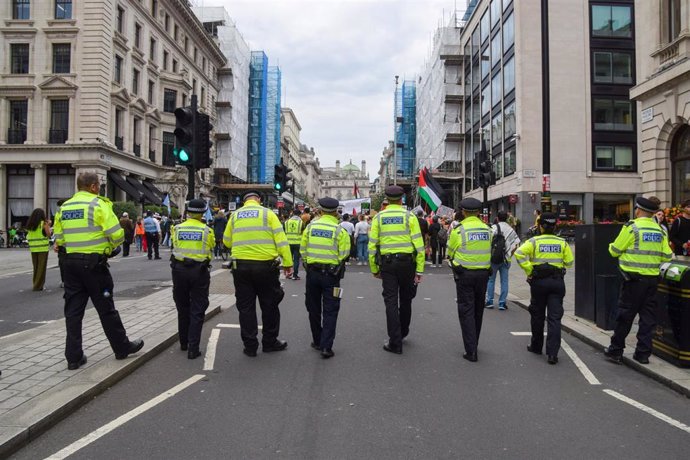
(322, 267)
(187, 262)
(547, 271)
(632, 276)
(267, 263)
(400, 257)
(460, 268)
(82, 256)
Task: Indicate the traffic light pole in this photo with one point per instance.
(191, 171)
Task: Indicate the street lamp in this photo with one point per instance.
(395, 133)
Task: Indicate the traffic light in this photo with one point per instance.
(202, 142)
(184, 135)
(487, 177)
(281, 178)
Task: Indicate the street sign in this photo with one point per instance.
(280, 204)
(232, 206)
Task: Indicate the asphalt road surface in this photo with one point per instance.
(21, 308)
(366, 403)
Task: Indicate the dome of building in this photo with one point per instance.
(350, 168)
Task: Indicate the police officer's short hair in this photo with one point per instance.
(86, 180)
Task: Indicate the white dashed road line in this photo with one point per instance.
(649, 410)
(580, 364)
(121, 420)
(231, 326)
(210, 357)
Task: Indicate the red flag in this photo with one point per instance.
(356, 191)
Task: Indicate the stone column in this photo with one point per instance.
(3, 197)
(40, 185)
(588, 208)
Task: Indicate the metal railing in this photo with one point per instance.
(16, 136)
(119, 143)
(136, 148)
(57, 136)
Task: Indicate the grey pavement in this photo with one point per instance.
(37, 390)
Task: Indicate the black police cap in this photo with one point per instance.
(394, 192)
(196, 205)
(548, 219)
(646, 204)
(250, 194)
(328, 204)
(471, 204)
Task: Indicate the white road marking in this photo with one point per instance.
(121, 420)
(25, 322)
(360, 297)
(232, 326)
(579, 364)
(649, 410)
(210, 357)
(523, 334)
(427, 298)
(294, 295)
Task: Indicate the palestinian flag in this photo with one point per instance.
(430, 190)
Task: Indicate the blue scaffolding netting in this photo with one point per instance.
(406, 129)
(273, 122)
(258, 96)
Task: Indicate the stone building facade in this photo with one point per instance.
(340, 182)
(91, 86)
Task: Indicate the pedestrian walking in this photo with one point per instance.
(396, 257)
(193, 243)
(165, 230)
(325, 245)
(257, 239)
(38, 227)
(443, 241)
(545, 258)
(90, 232)
(469, 250)
(293, 230)
(219, 224)
(350, 228)
(504, 243)
(434, 230)
(152, 229)
(128, 226)
(362, 239)
(641, 247)
(679, 233)
(139, 234)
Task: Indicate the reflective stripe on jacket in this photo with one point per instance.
(37, 241)
(86, 224)
(469, 245)
(325, 242)
(194, 240)
(396, 231)
(255, 233)
(544, 249)
(641, 247)
(293, 230)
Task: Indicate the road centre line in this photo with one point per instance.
(121, 420)
(579, 364)
(649, 410)
(232, 326)
(210, 357)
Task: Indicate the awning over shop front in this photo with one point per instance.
(156, 191)
(125, 186)
(148, 195)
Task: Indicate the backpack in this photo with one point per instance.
(443, 235)
(498, 247)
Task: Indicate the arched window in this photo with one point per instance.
(680, 164)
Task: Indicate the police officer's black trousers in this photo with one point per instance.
(262, 281)
(190, 292)
(84, 281)
(398, 292)
(294, 250)
(546, 302)
(152, 244)
(470, 287)
(320, 301)
(638, 296)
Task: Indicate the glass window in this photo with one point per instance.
(674, 13)
(611, 21)
(484, 27)
(154, 8)
(612, 115)
(497, 129)
(496, 89)
(486, 62)
(59, 119)
(174, 65)
(680, 164)
(486, 136)
(509, 76)
(486, 100)
(613, 68)
(506, 4)
(176, 32)
(165, 60)
(118, 69)
(496, 49)
(19, 56)
(61, 57)
(495, 12)
(618, 157)
(476, 108)
(152, 90)
(135, 81)
(120, 20)
(475, 41)
(63, 9)
(509, 121)
(137, 35)
(509, 162)
(19, 111)
(152, 49)
(508, 33)
(468, 115)
(169, 100)
(167, 22)
(497, 160)
(20, 9)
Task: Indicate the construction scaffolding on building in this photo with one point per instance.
(272, 121)
(258, 95)
(405, 129)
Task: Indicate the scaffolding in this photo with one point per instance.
(258, 95)
(406, 129)
(273, 121)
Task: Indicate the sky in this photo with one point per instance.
(338, 60)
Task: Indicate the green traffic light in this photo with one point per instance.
(277, 186)
(184, 156)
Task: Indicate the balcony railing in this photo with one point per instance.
(136, 148)
(119, 143)
(57, 136)
(16, 136)
(152, 155)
